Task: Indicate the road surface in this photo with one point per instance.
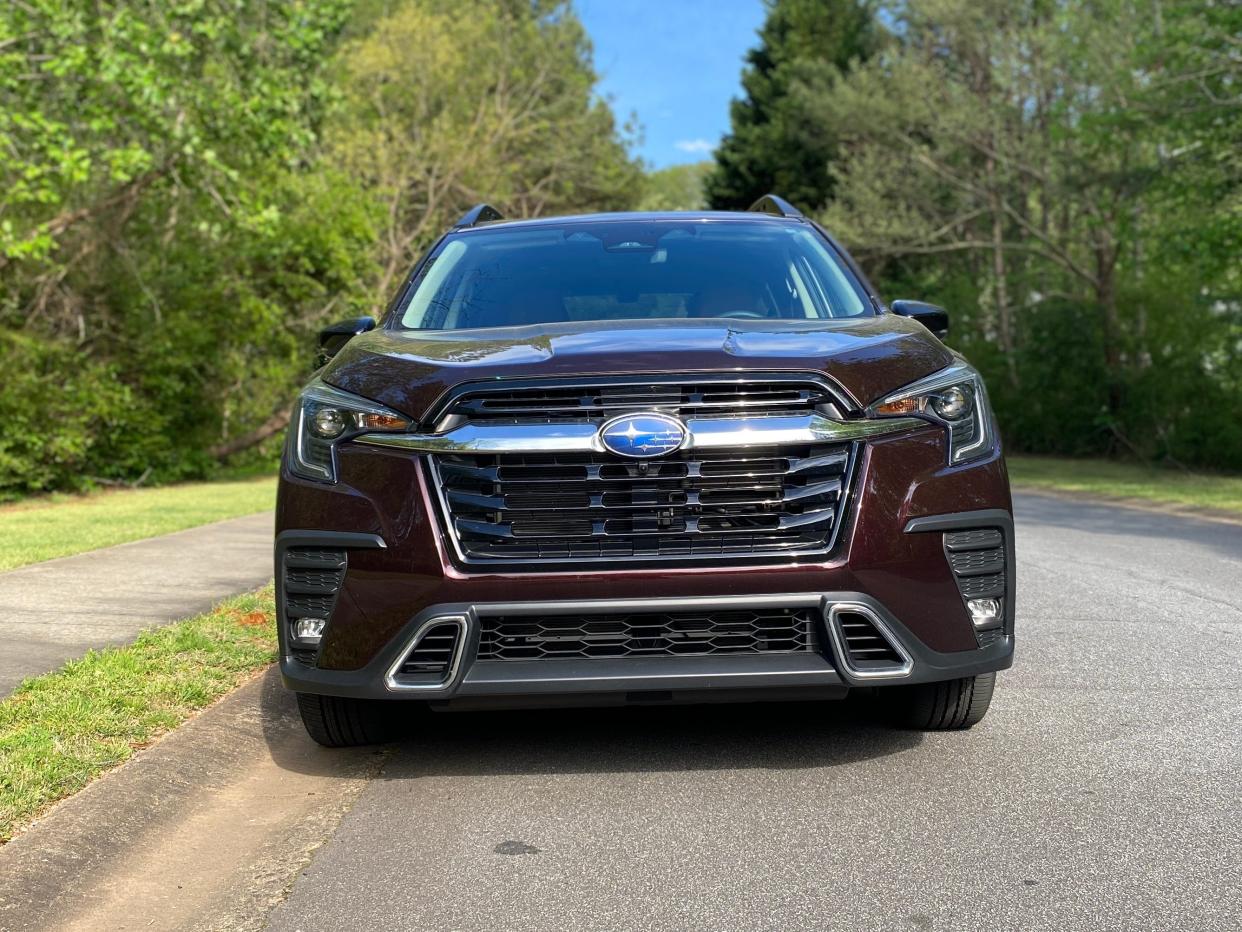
(1101, 792)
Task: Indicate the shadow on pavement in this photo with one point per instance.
(775, 735)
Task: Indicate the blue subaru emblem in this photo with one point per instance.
(642, 435)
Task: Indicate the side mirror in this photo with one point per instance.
(935, 319)
(332, 339)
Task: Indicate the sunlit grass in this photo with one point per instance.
(1126, 480)
(60, 525)
(61, 730)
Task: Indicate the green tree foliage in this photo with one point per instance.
(1065, 177)
(773, 146)
(193, 187)
(678, 187)
(453, 102)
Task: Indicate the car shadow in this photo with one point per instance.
(668, 738)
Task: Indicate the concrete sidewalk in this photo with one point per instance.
(56, 611)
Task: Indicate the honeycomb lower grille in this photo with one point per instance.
(648, 634)
(543, 509)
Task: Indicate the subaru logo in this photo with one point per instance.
(642, 435)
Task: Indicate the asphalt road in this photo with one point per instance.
(56, 611)
(1102, 791)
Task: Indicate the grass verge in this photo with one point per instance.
(61, 730)
(60, 525)
(1127, 480)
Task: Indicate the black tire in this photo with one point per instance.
(336, 722)
(953, 705)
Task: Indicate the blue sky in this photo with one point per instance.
(676, 64)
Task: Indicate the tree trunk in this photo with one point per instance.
(273, 425)
(1106, 298)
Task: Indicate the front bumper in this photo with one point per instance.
(824, 672)
(891, 559)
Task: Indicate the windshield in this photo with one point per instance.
(630, 269)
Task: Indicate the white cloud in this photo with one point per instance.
(696, 146)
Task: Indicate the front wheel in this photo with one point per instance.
(953, 705)
(337, 722)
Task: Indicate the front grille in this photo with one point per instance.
(706, 398)
(977, 558)
(312, 577)
(550, 508)
(648, 634)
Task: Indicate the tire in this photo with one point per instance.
(953, 705)
(336, 722)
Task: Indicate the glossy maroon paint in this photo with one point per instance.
(409, 370)
(384, 491)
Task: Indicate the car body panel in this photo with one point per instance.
(410, 370)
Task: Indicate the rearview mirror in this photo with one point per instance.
(332, 339)
(935, 319)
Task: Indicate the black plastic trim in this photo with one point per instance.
(985, 518)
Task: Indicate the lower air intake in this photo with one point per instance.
(430, 662)
(647, 634)
(864, 646)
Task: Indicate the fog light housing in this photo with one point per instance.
(985, 613)
(309, 630)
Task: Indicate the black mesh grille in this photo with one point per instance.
(708, 398)
(867, 647)
(570, 507)
(630, 634)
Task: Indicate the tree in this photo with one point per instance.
(1040, 155)
(773, 146)
(678, 187)
(161, 249)
(451, 103)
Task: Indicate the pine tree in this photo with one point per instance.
(773, 147)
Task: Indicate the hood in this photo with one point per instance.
(409, 370)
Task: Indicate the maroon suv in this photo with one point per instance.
(641, 458)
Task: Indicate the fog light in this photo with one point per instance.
(308, 630)
(984, 612)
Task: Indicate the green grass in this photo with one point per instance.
(60, 525)
(61, 730)
(1126, 480)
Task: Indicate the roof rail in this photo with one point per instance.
(479, 213)
(777, 206)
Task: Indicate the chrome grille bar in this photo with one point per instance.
(703, 433)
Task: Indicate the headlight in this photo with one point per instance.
(954, 397)
(325, 417)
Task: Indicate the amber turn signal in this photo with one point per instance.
(381, 422)
(899, 407)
